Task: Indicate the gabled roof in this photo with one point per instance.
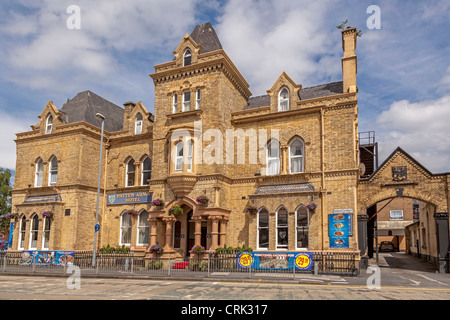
(205, 35)
(86, 104)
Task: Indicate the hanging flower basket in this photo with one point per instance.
(156, 248)
(47, 214)
(202, 199)
(176, 210)
(312, 206)
(251, 209)
(132, 212)
(158, 202)
(11, 215)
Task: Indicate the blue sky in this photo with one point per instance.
(403, 68)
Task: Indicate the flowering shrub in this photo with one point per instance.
(47, 214)
(156, 248)
(132, 212)
(158, 202)
(251, 208)
(197, 250)
(312, 206)
(175, 210)
(202, 199)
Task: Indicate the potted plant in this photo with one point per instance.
(312, 206)
(158, 202)
(251, 208)
(156, 248)
(202, 199)
(47, 214)
(198, 250)
(176, 210)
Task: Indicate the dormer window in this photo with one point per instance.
(186, 101)
(49, 124)
(187, 58)
(138, 124)
(283, 100)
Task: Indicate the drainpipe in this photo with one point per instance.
(322, 159)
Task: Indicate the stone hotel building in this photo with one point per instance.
(273, 168)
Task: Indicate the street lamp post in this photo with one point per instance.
(102, 118)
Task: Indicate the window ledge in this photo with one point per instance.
(182, 114)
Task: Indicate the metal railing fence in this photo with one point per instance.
(211, 265)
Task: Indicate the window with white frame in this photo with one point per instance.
(146, 171)
(296, 164)
(197, 99)
(186, 101)
(34, 231)
(143, 229)
(53, 171)
(187, 56)
(49, 124)
(189, 155)
(138, 124)
(302, 227)
(39, 173)
(46, 233)
(174, 103)
(283, 100)
(396, 214)
(179, 156)
(125, 229)
(273, 158)
(130, 173)
(22, 229)
(282, 228)
(263, 229)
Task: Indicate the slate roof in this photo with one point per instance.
(86, 104)
(285, 188)
(207, 37)
(320, 91)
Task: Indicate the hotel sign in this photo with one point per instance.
(129, 198)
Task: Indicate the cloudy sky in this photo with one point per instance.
(403, 68)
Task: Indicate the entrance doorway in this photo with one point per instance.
(191, 233)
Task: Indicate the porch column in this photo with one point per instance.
(215, 232)
(223, 231)
(198, 231)
(169, 233)
(153, 233)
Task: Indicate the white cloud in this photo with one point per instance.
(420, 128)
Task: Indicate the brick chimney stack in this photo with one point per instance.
(349, 61)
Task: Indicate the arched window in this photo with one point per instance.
(49, 124)
(174, 103)
(179, 156)
(143, 229)
(189, 155)
(177, 235)
(22, 229)
(39, 173)
(146, 171)
(34, 230)
(282, 228)
(46, 233)
(263, 229)
(186, 101)
(273, 158)
(283, 100)
(296, 164)
(187, 58)
(53, 171)
(302, 227)
(138, 124)
(130, 173)
(125, 229)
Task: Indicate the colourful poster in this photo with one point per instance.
(44, 258)
(338, 226)
(276, 260)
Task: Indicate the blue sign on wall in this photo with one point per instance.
(129, 198)
(338, 226)
(302, 261)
